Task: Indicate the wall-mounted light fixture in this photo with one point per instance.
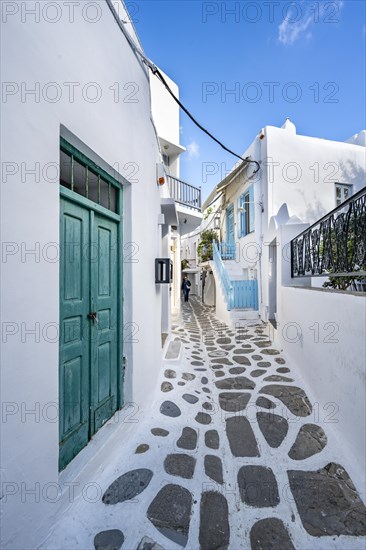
(160, 174)
(217, 222)
(163, 271)
(242, 209)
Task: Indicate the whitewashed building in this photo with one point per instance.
(300, 179)
(182, 203)
(84, 219)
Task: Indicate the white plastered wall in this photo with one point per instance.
(121, 133)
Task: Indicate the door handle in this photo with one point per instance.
(93, 316)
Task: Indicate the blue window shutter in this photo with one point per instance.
(238, 218)
(251, 208)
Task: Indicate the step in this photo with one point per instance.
(174, 349)
(232, 273)
(236, 277)
(231, 263)
(238, 315)
(234, 269)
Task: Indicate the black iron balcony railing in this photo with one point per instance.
(184, 193)
(335, 245)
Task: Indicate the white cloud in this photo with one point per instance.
(193, 150)
(289, 32)
(291, 29)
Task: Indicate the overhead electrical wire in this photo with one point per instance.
(215, 199)
(156, 72)
(154, 69)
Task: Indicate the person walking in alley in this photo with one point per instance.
(186, 287)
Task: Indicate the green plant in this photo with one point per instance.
(343, 251)
(208, 212)
(204, 248)
(342, 283)
(185, 264)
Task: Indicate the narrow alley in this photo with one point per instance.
(235, 454)
(210, 148)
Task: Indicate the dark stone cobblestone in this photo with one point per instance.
(338, 511)
(270, 534)
(170, 513)
(258, 486)
(109, 540)
(214, 522)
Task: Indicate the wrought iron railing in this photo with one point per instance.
(335, 245)
(184, 193)
(227, 251)
(238, 294)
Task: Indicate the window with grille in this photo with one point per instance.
(343, 192)
(83, 176)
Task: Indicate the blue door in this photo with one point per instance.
(227, 249)
(230, 224)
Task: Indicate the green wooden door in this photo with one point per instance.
(103, 301)
(88, 326)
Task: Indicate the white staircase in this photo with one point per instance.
(233, 269)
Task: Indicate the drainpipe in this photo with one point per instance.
(261, 235)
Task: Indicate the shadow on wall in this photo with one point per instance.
(209, 290)
(352, 173)
(282, 218)
(348, 172)
(314, 210)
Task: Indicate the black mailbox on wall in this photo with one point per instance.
(163, 270)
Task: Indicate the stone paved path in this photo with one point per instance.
(235, 456)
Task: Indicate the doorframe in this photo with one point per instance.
(118, 218)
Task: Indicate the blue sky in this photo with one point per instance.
(303, 59)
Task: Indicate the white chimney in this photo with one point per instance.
(289, 126)
(358, 139)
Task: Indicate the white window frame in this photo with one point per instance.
(343, 187)
(246, 217)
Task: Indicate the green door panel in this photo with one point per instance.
(74, 332)
(104, 300)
